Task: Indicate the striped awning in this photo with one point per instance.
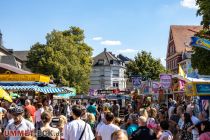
(51, 90)
(44, 90)
(21, 88)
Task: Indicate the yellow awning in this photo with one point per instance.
(25, 77)
(4, 95)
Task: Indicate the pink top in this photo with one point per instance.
(205, 136)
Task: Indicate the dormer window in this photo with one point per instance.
(100, 62)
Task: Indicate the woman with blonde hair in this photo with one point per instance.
(91, 120)
(151, 122)
(119, 135)
(117, 121)
(143, 112)
(61, 123)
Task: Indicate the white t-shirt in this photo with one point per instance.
(38, 114)
(25, 126)
(73, 131)
(105, 131)
(166, 134)
(195, 120)
(99, 126)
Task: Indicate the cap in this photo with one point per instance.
(17, 110)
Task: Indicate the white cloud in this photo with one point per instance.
(111, 43)
(98, 38)
(189, 4)
(127, 51)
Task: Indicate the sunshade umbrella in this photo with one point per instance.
(14, 95)
(4, 95)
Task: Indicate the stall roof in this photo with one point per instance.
(44, 90)
(189, 79)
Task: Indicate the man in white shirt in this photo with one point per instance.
(19, 126)
(77, 129)
(106, 130)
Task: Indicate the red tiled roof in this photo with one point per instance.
(182, 35)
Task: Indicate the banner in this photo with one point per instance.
(165, 80)
(136, 81)
(200, 42)
(155, 86)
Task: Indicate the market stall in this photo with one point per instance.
(30, 86)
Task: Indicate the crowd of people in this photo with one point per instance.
(142, 119)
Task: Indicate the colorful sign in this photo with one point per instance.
(165, 80)
(189, 89)
(136, 81)
(200, 42)
(203, 89)
(25, 77)
(155, 86)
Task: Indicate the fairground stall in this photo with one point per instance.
(29, 86)
(199, 88)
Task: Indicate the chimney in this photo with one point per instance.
(104, 49)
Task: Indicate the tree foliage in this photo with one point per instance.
(201, 57)
(204, 11)
(146, 66)
(65, 57)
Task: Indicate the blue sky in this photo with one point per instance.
(121, 26)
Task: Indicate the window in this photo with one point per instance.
(102, 72)
(115, 73)
(100, 62)
(115, 84)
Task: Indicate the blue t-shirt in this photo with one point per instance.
(92, 109)
(131, 128)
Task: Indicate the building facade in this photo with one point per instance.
(108, 72)
(179, 43)
(13, 60)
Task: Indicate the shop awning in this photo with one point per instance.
(51, 90)
(64, 96)
(44, 90)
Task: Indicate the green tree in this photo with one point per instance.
(204, 11)
(146, 66)
(65, 57)
(200, 57)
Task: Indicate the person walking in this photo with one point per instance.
(48, 132)
(186, 135)
(38, 113)
(18, 124)
(77, 129)
(30, 109)
(166, 133)
(143, 132)
(106, 130)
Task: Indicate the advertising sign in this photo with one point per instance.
(200, 42)
(24, 77)
(165, 80)
(203, 89)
